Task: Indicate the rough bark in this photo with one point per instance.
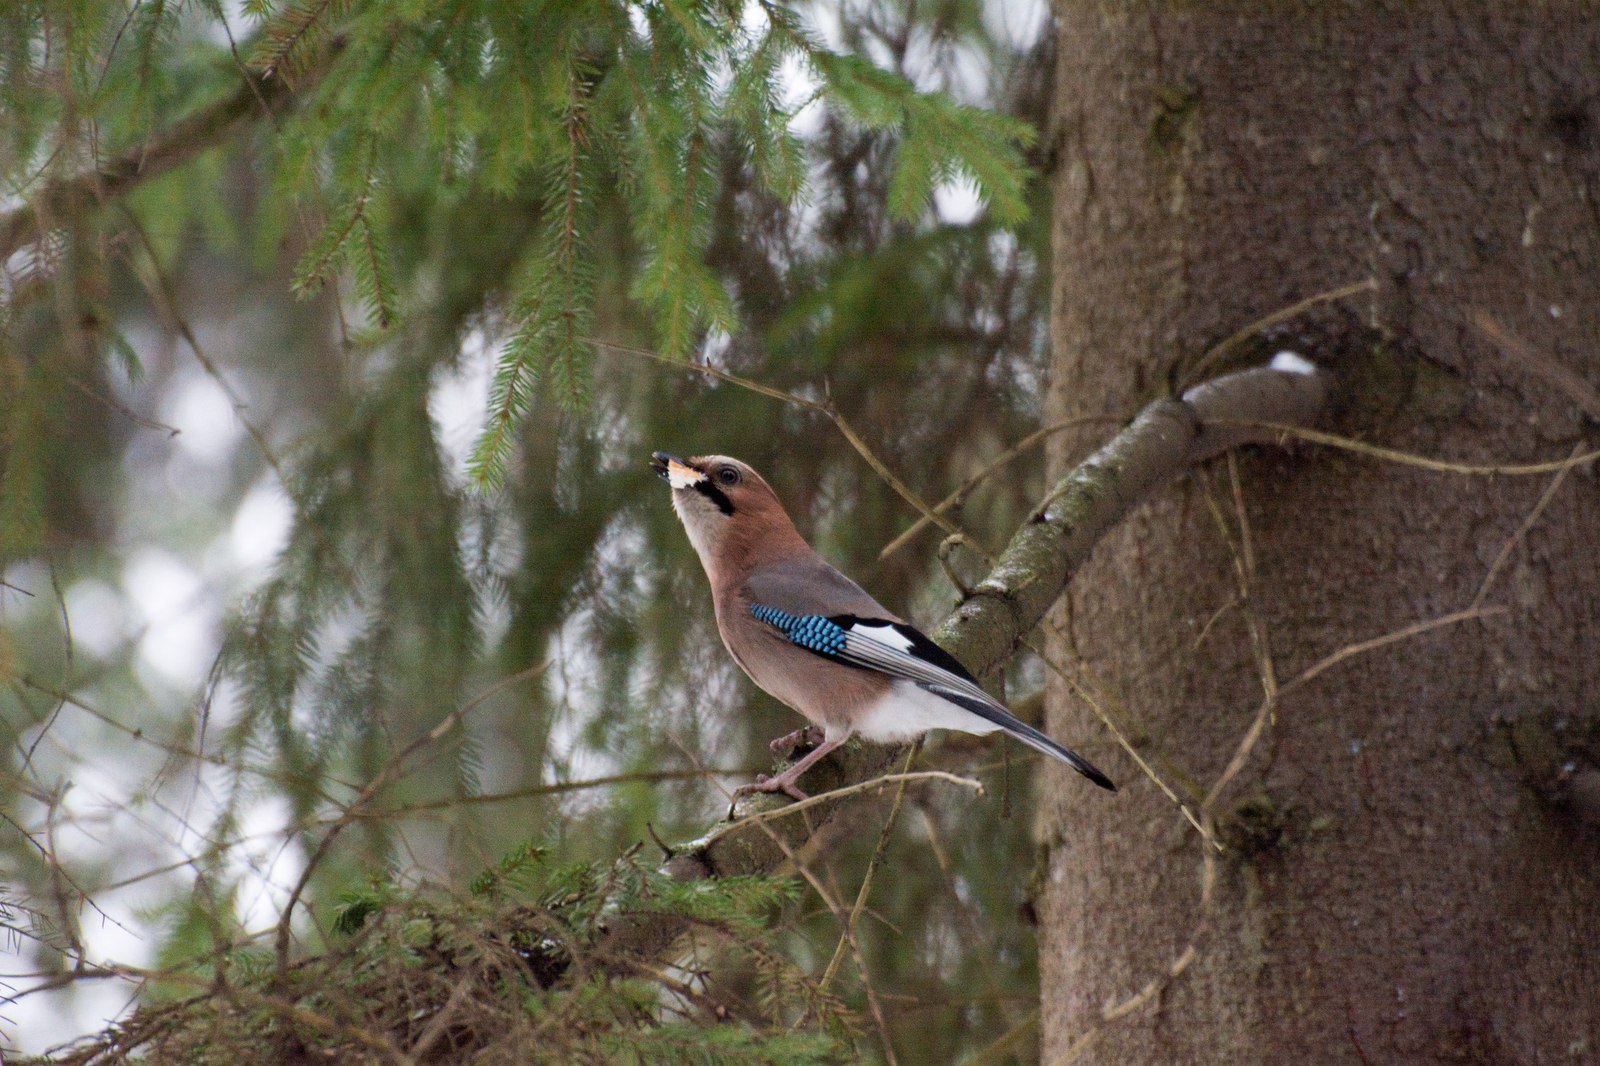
(1412, 874)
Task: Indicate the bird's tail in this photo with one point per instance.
(1039, 742)
(991, 711)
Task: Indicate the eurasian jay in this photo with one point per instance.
(813, 638)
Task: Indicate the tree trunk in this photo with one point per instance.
(1411, 864)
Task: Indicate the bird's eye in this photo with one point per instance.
(728, 475)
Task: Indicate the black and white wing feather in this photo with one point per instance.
(901, 651)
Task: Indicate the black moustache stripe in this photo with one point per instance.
(715, 495)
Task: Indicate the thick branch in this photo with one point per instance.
(160, 154)
(1167, 438)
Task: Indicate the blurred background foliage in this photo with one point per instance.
(304, 443)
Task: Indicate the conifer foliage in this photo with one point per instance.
(507, 974)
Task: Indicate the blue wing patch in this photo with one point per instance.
(897, 650)
(813, 632)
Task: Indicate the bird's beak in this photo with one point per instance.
(675, 471)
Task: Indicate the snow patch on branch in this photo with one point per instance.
(1292, 363)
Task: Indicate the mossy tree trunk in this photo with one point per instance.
(1412, 870)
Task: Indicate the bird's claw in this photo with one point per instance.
(766, 783)
(781, 783)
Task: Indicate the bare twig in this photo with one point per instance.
(1243, 557)
(1541, 365)
(964, 908)
(873, 785)
(1416, 629)
(878, 853)
(162, 294)
(61, 701)
(121, 408)
(1153, 988)
(1117, 731)
(1221, 350)
(825, 408)
(1522, 530)
(1005, 458)
(138, 734)
(1009, 1047)
(1394, 455)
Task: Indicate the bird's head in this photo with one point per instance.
(731, 514)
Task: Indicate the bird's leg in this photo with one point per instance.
(785, 782)
(807, 736)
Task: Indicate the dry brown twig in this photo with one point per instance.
(1394, 455)
(874, 785)
(1522, 530)
(878, 852)
(994, 466)
(163, 297)
(830, 899)
(1116, 728)
(965, 910)
(1226, 347)
(825, 408)
(1531, 359)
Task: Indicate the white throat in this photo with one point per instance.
(695, 524)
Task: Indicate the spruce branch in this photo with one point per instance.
(286, 39)
(152, 158)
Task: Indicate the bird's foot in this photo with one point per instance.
(784, 782)
(808, 736)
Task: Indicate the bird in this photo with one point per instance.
(817, 641)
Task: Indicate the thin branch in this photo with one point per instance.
(1118, 732)
(1529, 358)
(878, 852)
(163, 294)
(826, 409)
(556, 788)
(873, 785)
(1153, 988)
(1009, 1047)
(1442, 466)
(1005, 458)
(1523, 530)
(965, 911)
(1406, 633)
(1220, 351)
(121, 408)
(61, 702)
